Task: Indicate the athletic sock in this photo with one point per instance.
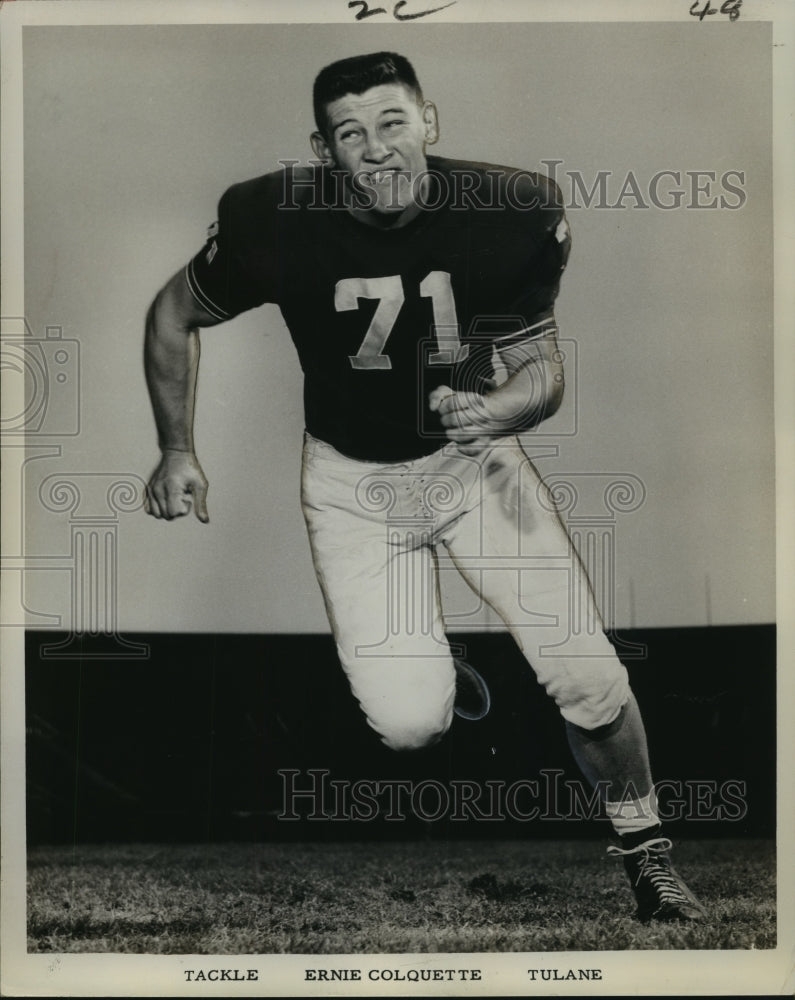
(615, 759)
(633, 816)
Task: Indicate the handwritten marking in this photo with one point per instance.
(731, 8)
(411, 17)
(366, 11)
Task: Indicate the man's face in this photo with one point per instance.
(378, 139)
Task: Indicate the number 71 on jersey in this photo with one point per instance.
(389, 292)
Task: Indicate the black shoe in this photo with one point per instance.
(659, 890)
(472, 698)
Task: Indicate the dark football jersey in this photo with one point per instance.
(381, 317)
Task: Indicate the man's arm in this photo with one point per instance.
(532, 392)
(171, 361)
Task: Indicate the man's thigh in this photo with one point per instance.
(514, 551)
(380, 585)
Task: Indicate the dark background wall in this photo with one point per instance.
(187, 744)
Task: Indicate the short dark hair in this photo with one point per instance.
(360, 73)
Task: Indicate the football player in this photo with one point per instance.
(419, 293)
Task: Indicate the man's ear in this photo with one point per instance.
(430, 118)
(320, 147)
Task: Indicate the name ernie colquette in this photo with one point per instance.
(390, 975)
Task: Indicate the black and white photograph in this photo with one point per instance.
(397, 482)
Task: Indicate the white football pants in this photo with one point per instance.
(374, 529)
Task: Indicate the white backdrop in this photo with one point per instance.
(132, 134)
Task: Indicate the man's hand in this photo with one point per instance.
(466, 419)
(177, 484)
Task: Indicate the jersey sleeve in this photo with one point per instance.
(226, 277)
(551, 237)
(534, 306)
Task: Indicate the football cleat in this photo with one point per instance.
(472, 698)
(660, 892)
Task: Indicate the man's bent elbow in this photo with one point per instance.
(167, 308)
(553, 397)
(556, 394)
(160, 313)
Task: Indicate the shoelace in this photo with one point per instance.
(660, 876)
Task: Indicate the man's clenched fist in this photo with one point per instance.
(176, 485)
(465, 418)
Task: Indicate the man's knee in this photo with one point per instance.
(414, 732)
(407, 700)
(595, 704)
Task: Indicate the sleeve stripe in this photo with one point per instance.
(546, 325)
(204, 300)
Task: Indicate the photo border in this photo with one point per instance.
(637, 973)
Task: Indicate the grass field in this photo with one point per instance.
(382, 898)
